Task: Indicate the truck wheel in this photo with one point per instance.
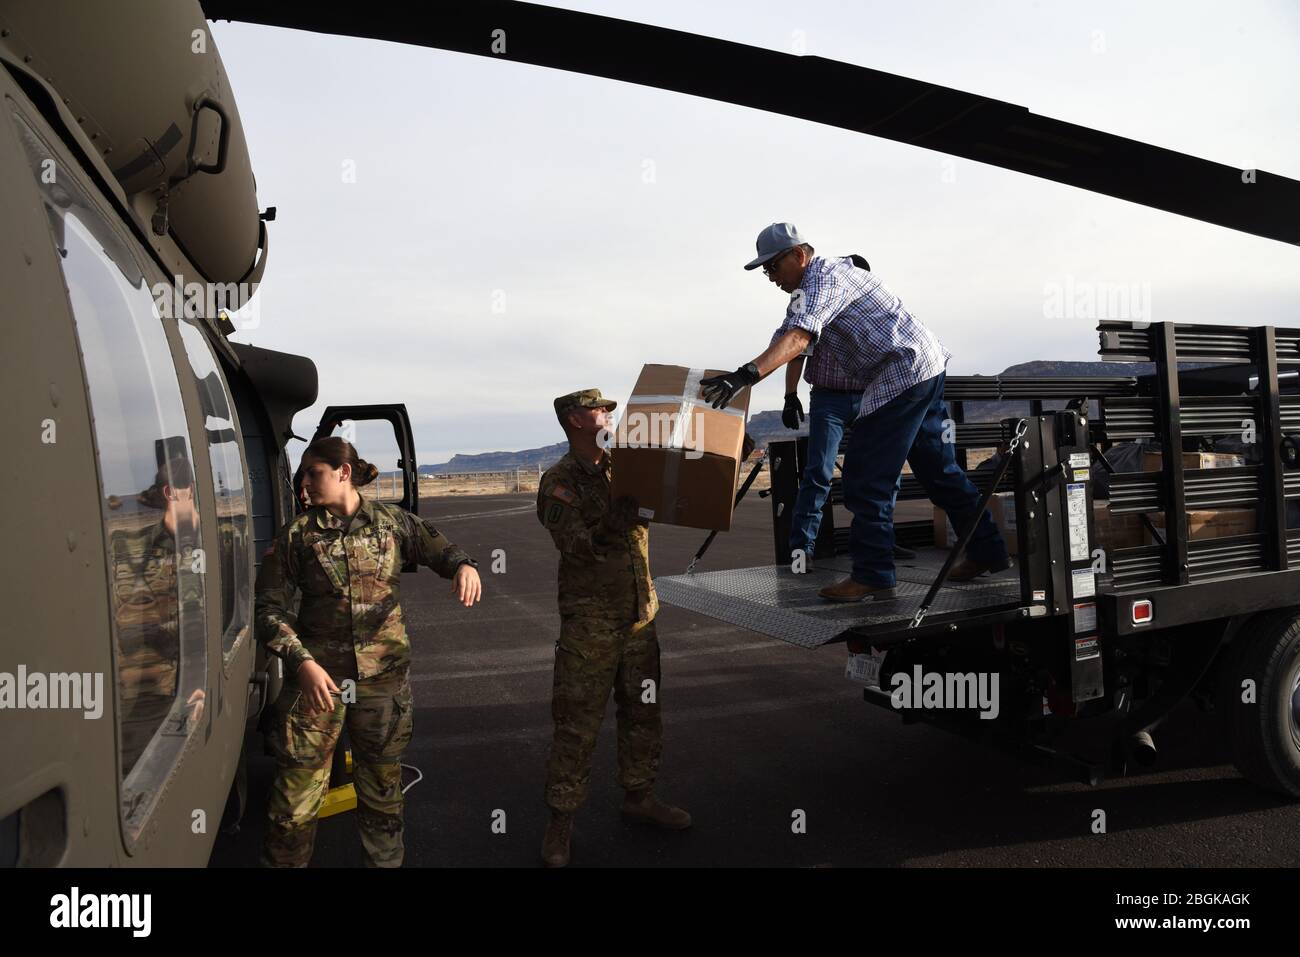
(1263, 730)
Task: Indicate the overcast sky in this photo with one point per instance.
(514, 233)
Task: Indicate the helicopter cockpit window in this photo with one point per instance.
(155, 558)
(233, 530)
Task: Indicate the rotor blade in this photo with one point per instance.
(846, 96)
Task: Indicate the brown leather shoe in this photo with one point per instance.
(644, 808)
(555, 845)
(966, 570)
(849, 590)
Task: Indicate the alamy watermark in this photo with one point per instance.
(1083, 299)
(657, 430)
(76, 909)
(935, 690)
(197, 300)
(55, 691)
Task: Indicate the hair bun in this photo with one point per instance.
(336, 451)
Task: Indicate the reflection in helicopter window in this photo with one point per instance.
(156, 563)
(156, 572)
(233, 531)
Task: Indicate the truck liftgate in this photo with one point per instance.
(1234, 391)
(1047, 488)
(1054, 575)
(1131, 580)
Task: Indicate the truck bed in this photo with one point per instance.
(772, 600)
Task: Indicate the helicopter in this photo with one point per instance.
(152, 447)
(158, 470)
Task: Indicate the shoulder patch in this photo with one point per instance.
(563, 494)
(554, 513)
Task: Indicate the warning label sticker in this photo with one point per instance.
(1084, 584)
(1085, 617)
(1076, 508)
(1079, 460)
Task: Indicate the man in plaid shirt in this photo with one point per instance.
(865, 338)
(833, 405)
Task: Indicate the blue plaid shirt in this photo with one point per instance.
(863, 337)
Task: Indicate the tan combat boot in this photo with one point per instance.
(642, 807)
(555, 845)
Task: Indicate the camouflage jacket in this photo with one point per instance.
(157, 586)
(349, 620)
(603, 574)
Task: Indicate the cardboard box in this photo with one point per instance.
(676, 455)
(1152, 461)
(1211, 523)
(1002, 506)
(1112, 531)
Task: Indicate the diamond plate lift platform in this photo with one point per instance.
(772, 600)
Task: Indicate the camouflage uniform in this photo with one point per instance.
(157, 601)
(607, 633)
(350, 623)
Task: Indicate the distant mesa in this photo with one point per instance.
(528, 459)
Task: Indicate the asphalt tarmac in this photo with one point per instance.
(755, 731)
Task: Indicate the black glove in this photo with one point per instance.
(721, 389)
(622, 514)
(792, 415)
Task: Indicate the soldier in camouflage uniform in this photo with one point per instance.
(607, 632)
(344, 556)
(158, 594)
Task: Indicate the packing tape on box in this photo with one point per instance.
(686, 404)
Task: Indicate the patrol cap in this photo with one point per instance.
(773, 241)
(583, 399)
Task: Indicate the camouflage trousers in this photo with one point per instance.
(592, 657)
(379, 727)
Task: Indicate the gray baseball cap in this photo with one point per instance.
(773, 241)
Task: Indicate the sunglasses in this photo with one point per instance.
(771, 263)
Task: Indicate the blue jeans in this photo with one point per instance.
(829, 413)
(907, 428)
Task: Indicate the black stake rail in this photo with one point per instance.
(1125, 341)
(1272, 498)
(1171, 441)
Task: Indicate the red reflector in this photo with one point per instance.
(1142, 611)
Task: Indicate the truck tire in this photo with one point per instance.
(1263, 735)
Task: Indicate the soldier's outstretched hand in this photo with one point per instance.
(467, 586)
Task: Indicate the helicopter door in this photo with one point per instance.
(382, 435)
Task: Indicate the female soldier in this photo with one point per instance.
(346, 655)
